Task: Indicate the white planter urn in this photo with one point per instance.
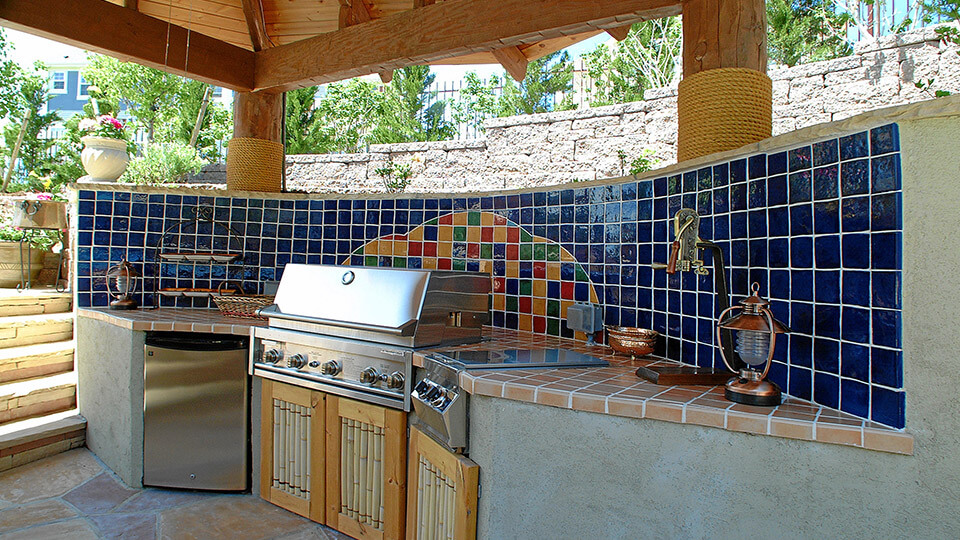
(103, 158)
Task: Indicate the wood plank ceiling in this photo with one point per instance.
(284, 44)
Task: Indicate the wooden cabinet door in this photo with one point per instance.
(442, 494)
(366, 473)
(292, 448)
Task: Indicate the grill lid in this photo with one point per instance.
(381, 298)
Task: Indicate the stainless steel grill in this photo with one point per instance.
(351, 331)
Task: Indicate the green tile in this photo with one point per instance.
(553, 252)
(432, 221)
(526, 287)
(459, 264)
(486, 251)
(370, 261)
(539, 252)
(459, 234)
(512, 304)
(525, 236)
(473, 218)
(399, 262)
(553, 308)
(526, 252)
(581, 274)
(553, 327)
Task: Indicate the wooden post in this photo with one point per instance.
(724, 34)
(725, 99)
(255, 156)
(258, 115)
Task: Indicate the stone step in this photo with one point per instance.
(37, 397)
(29, 361)
(29, 440)
(31, 329)
(34, 302)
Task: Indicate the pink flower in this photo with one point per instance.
(44, 197)
(107, 119)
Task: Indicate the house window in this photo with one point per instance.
(82, 88)
(58, 82)
(217, 91)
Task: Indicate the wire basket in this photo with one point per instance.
(242, 306)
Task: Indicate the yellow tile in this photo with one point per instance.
(513, 269)
(540, 306)
(486, 219)
(526, 322)
(565, 256)
(430, 263)
(564, 305)
(539, 288)
(553, 271)
(473, 234)
(416, 235)
(400, 248)
(460, 218)
(445, 249)
(500, 234)
(486, 267)
(445, 233)
(499, 302)
(593, 295)
(371, 248)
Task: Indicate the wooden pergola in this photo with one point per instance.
(261, 48)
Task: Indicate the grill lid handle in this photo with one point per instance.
(274, 311)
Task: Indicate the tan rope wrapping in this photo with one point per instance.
(722, 109)
(254, 164)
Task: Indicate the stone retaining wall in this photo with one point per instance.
(553, 148)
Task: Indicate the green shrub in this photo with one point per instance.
(41, 239)
(162, 163)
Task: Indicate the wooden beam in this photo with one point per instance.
(354, 12)
(724, 34)
(619, 33)
(386, 76)
(129, 35)
(256, 26)
(421, 3)
(432, 33)
(131, 4)
(513, 61)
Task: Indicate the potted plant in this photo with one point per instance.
(14, 256)
(104, 153)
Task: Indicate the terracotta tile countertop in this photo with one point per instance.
(173, 320)
(618, 391)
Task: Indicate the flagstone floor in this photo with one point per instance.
(73, 495)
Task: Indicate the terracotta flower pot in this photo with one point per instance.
(103, 158)
(10, 271)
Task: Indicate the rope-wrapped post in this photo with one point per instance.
(255, 155)
(722, 109)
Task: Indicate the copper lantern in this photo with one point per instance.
(123, 277)
(757, 331)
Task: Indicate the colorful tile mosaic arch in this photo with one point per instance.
(819, 226)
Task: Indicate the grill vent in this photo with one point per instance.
(436, 503)
(361, 472)
(291, 448)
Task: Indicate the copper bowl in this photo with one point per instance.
(632, 341)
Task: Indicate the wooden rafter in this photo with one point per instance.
(133, 37)
(421, 3)
(357, 12)
(619, 33)
(131, 4)
(513, 61)
(256, 25)
(434, 32)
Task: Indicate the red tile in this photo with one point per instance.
(540, 270)
(513, 235)
(429, 249)
(540, 324)
(446, 220)
(415, 249)
(499, 220)
(499, 284)
(444, 264)
(566, 290)
(513, 250)
(486, 234)
(525, 304)
(473, 251)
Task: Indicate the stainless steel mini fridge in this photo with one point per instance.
(195, 411)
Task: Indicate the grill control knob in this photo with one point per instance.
(370, 375)
(297, 361)
(395, 380)
(273, 356)
(331, 367)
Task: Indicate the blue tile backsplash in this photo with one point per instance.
(818, 226)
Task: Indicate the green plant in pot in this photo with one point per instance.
(163, 163)
(12, 274)
(104, 155)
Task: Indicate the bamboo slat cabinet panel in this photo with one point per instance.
(442, 493)
(366, 472)
(292, 436)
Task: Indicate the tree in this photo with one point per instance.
(647, 58)
(34, 155)
(410, 112)
(10, 74)
(501, 96)
(806, 31)
(216, 125)
(345, 116)
(301, 127)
